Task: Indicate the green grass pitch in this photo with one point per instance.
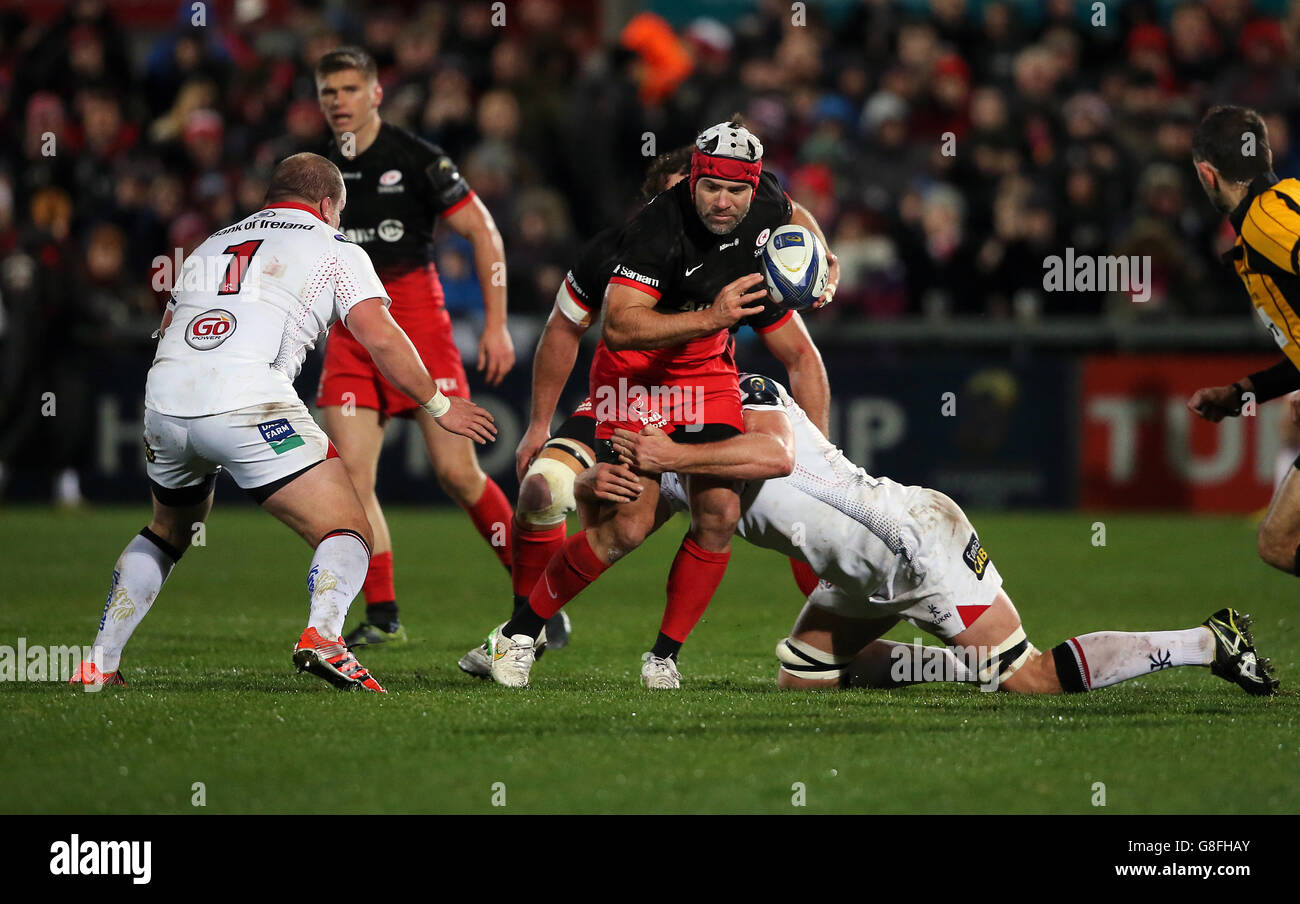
(214, 699)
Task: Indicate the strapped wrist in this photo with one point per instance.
(438, 405)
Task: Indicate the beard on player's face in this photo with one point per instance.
(722, 210)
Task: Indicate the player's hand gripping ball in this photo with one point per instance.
(794, 265)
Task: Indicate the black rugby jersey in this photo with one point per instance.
(398, 188)
(668, 252)
(583, 291)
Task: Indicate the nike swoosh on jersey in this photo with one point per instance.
(693, 269)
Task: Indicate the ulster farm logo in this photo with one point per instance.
(280, 435)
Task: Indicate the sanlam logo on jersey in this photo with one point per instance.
(210, 329)
(629, 273)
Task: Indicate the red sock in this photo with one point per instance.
(567, 575)
(378, 587)
(695, 575)
(492, 516)
(804, 576)
(531, 550)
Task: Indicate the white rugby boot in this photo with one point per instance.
(512, 657)
(477, 662)
(660, 673)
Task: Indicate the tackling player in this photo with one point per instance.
(547, 465)
(886, 552)
(248, 305)
(684, 275)
(1235, 166)
(400, 188)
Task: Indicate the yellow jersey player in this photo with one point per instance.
(1235, 165)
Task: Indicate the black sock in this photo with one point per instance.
(1295, 569)
(383, 615)
(521, 603)
(666, 648)
(1067, 669)
(524, 621)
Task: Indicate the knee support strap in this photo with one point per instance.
(559, 479)
(803, 660)
(1007, 658)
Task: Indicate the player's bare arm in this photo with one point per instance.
(793, 347)
(496, 351)
(765, 450)
(631, 321)
(803, 217)
(1214, 403)
(605, 482)
(166, 320)
(557, 349)
(397, 359)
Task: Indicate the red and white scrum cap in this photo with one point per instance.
(729, 152)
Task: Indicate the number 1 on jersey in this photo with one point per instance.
(235, 270)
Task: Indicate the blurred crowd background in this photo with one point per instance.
(131, 131)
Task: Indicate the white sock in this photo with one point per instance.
(337, 572)
(138, 575)
(1109, 657)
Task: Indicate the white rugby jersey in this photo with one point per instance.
(250, 302)
(855, 530)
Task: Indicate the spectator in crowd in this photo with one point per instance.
(947, 146)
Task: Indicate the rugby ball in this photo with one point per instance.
(794, 265)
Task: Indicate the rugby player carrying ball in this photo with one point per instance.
(686, 271)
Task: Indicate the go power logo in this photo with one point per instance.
(103, 858)
(210, 329)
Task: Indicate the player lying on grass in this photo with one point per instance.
(886, 552)
(248, 305)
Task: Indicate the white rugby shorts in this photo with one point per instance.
(950, 581)
(261, 446)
